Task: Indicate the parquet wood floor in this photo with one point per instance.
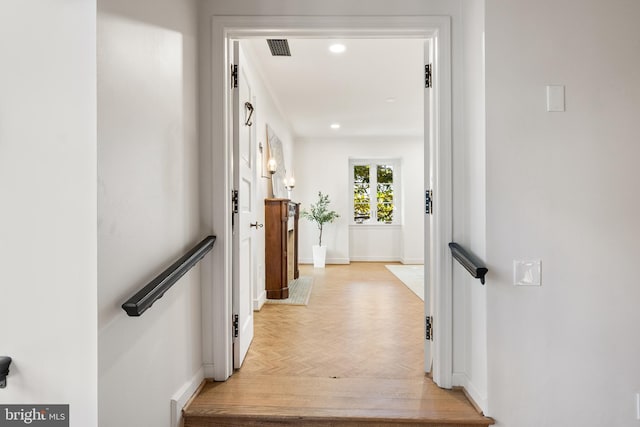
(352, 357)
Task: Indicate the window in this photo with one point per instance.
(375, 189)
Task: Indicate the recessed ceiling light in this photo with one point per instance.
(390, 100)
(337, 48)
(335, 125)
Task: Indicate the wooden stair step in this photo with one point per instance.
(314, 401)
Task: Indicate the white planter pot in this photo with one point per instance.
(319, 255)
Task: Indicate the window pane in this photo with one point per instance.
(362, 212)
(385, 174)
(361, 173)
(361, 194)
(384, 200)
(385, 212)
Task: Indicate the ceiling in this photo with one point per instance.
(374, 88)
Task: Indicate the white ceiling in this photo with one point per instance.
(314, 87)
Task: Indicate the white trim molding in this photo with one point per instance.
(327, 261)
(182, 396)
(217, 278)
(259, 301)
(412, 261)
(462, 380)
(442, 216)
(374, 259)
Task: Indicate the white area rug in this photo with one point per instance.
(411, 275)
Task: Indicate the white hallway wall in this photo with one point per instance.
(47, 182)
(572, 356)
(323, 165)
(76, 159)
(148, 205)
(77, 221)
(562, 187)
(266, 112)
(469, 296)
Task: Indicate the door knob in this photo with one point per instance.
(256, 225)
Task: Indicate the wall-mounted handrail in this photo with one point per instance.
(5, 362)
(469, 261)
(154, 290)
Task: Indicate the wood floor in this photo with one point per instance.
(352, 357)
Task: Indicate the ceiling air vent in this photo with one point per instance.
(279, 47)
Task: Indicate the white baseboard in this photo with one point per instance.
(462, 380)
(412, 260)
(327, 261)
(182, 396)
(375, 259)
(209, 370)
(259, 302)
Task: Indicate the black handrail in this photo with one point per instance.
(154, 290)
(469, 261)
(5, 362)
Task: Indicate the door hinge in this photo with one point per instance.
(234, 201)
(427, 76)
(428, 202)
(428, 326)
(236, 325)
(234, 76)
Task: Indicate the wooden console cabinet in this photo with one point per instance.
(281, 246)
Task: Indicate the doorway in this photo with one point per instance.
(338, 108)
(218, 316)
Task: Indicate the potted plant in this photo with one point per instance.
(321, 215)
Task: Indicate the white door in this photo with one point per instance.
(429, 138)
(244, 155)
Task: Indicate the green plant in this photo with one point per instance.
(320, 213)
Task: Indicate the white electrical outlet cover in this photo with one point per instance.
(527, 272)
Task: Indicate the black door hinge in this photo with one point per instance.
(427, 76)
(234, 208)
(234, 201)
(235, 325)
(428, 202)
(428, 326)
(234, 76)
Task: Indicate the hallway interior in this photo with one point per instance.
(352, 356)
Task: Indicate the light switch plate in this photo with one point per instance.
(555, 98)
(527, 272)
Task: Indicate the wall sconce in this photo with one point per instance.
(289, 184)
(272, 165)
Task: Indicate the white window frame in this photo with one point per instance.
(373, 202)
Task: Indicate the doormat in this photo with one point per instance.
(299, 292)
(411, 275)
